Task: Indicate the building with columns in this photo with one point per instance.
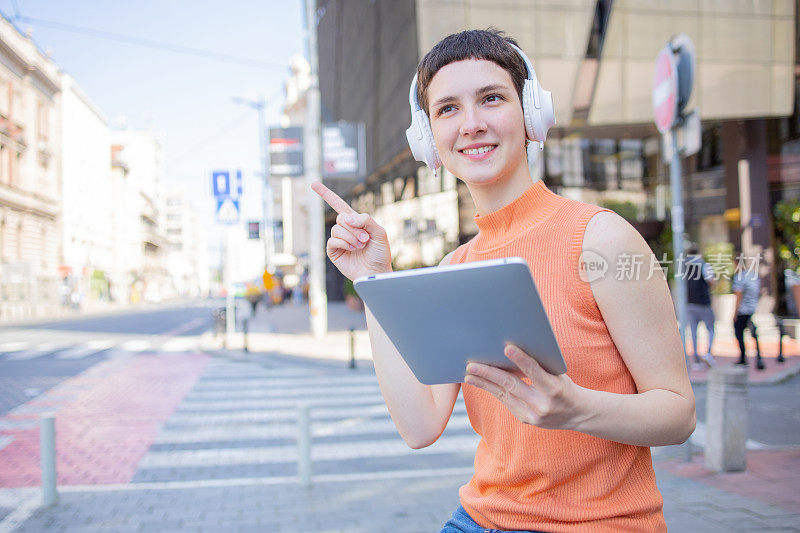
(29, 177)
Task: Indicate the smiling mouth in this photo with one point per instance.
(478, 151)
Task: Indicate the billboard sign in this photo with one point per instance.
(342, 150)
(286, 152)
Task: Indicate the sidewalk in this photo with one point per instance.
(286, 330)
(726, 352)
(275, 330)
(206, 442)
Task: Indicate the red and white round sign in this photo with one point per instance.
(665, 90)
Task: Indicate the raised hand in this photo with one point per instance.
(358, 245)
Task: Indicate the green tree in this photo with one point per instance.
(787, 229)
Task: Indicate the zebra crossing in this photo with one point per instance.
(240, 421)
(66, 350)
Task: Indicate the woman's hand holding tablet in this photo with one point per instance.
(550, 401)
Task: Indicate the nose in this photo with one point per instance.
(472, 122)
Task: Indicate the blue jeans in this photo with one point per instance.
(461, 522)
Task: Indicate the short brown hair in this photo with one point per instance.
(490, 44)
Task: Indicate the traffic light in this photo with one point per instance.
(254, 230)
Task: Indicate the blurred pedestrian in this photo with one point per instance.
(746, 286)
(75, 298)
(700, 281)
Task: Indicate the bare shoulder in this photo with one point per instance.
(609, 232)
(446, 259)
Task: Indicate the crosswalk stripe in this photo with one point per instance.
(13, 346)
(136, 345)
(359, 449)
(288, 429)
(277, 382)
(242, 418)
(40, 350)
(90, 348)
(272, 403)
(179, 344)
(268, 392)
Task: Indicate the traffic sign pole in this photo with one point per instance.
(677, 236)
(672, 87)
(230, 306)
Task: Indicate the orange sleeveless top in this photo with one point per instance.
(528, 478)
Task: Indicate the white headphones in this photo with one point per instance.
(537, 109)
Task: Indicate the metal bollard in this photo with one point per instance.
(47, 449)
(244, 330)
(352, 347)
(726, 419)
(304, 445)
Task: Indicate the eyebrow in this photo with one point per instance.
(482, 90)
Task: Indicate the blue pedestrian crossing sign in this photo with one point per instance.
(228, 211)
(226, 186)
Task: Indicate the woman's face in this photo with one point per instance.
(477, 122)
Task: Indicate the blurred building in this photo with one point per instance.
(597, 57)
(186, 251)
(291, 194)
(87, 238)
(138, 178)
(29, 177)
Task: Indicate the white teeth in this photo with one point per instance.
(476, 151)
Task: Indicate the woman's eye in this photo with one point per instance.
(445, 109)
(493, 98)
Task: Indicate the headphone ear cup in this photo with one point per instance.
(537, 119)
(420, 140)
(529, 111)
(432, 158)
(548, 113)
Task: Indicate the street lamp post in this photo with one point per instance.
(269, 240)
(317, 297)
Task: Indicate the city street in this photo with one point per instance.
(162, 432)
(34, 359)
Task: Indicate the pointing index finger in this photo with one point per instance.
(332, 199)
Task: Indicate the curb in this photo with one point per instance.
(264, 358)
(779, 377)
(112, 311)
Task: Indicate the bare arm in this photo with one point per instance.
(420, 412)
(640, 318)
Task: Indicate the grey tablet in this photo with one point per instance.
(441, 318)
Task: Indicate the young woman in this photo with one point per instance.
(557, 453)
